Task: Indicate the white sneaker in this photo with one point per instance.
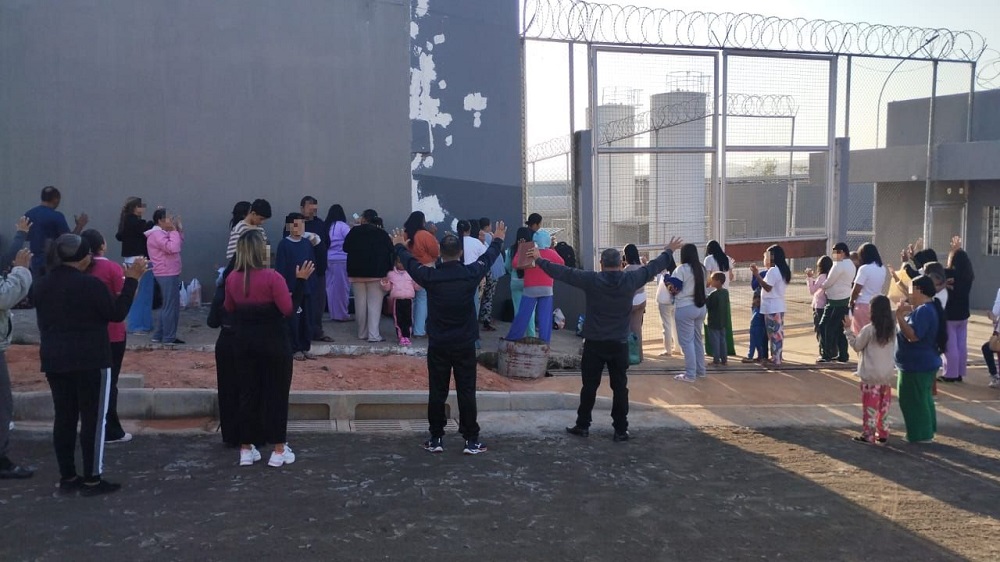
(278, 459)
(124, 439)
(11, 426)
(249, 456)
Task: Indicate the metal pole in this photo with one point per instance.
(792, 195)
(832, 186)
(719, 166)
(930, 153)
(573, 218)
(572, 93)
(594, 138)
(524, 130)
(847, 99)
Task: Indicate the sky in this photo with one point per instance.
(548, 77)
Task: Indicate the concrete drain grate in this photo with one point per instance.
(311, 425)
(374, 426)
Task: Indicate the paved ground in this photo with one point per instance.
(711, 494)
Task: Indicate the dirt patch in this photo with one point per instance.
(196, 369)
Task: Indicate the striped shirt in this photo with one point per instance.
(235, 234)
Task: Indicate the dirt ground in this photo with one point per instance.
(196, 369)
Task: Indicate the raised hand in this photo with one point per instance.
(531, 253)
(81, 220)
(753, 269)
(675, 243)
(23, 257)
(500, 230)
(137, 268)
(305, 270)
(23, 225)
(956, 243)
(398, 236)
(810, 273)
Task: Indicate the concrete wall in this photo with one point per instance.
(195, 105)
(901, 205)
(465, 110)
(987, 268)
(907, 119)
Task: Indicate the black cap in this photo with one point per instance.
(261, 208)
(533, 218)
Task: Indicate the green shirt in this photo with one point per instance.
(717, 305)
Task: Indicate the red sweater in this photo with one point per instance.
(266, 286)
(113, 277)
(535, 277)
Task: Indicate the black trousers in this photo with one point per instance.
(817, 316)
(79, 396)
(834, 345)
(440, 364)
(317, 304)
(402, 313)
(227, 378)
(264, 371)
(113, 429)
(298, 327)
(597, 354)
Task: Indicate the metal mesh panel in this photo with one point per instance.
(549, 192)
(773, 195)
(875, 83)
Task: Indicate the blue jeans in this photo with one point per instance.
(717, 337)
(140, 316)
(524, 314)
(420, 313)
(690, 334)
(166, 329)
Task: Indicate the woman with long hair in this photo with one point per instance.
(689, 313)
(632, 262)
(338, 288)
(717, 260)
(875, 345)
(240, 211)
(772, 298)
(524, 234)
(370, 256)
(922, 338)
(957, 313)
(868, 282)
(814, 282)
(257, 298)
(426, 250)
(132, 234)
(73, 311)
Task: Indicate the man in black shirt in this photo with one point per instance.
(452, 331)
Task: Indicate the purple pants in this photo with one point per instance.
(956, 354)
(337, 290)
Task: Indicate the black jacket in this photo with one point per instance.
(73, 311)
(132, 235)
(369, 252)
(451, 287)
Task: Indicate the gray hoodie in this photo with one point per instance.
(13, 289)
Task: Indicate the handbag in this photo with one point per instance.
(995, 343)
(634, 349)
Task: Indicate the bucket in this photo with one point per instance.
(527, 358)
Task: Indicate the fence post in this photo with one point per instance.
(930, 155)
(842, 173)
(583, 190)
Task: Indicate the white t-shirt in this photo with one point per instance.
(871, 277)
(774, 300)
(712, 265)
(838, 281)
(472, 249)
(686, 295)
(942, 296)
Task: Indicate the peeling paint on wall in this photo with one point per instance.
(476, 103)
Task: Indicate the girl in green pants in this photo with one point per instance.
(921, 340)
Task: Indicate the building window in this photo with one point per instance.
(991, 231)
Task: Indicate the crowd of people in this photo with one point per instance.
(269, 310)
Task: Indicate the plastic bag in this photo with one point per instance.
(558, 319)
(634, 349)
(183, 301)
(194, 294)
(579, 326)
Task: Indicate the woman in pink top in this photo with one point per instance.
(164, 242)
(113, 277)
(258, 300)
(815, 284)
(537, 292)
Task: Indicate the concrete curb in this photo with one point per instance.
(166, 403)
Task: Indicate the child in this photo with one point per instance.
(113, 277)
(875, 345)
(718, 309)
(294, 251)
(758, 333)
(856, 258)
(402, 290)
(815, 284)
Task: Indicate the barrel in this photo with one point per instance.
(526, 358)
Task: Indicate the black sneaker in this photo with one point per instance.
(72, 486)
(474, 447)
(11, 471)
(623, 436)
(177, 341)
(434, 445)
(99, 488)
(578, 431)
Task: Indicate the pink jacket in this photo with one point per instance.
(399, 284)
(815, 285)
(164, 249)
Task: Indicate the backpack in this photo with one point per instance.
(567, 253)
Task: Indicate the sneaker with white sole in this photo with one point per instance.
(474, 447)
(434, 445)
(994, 383)
(683, 377)
(278, 459)
(123, 439)
(249, 456)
